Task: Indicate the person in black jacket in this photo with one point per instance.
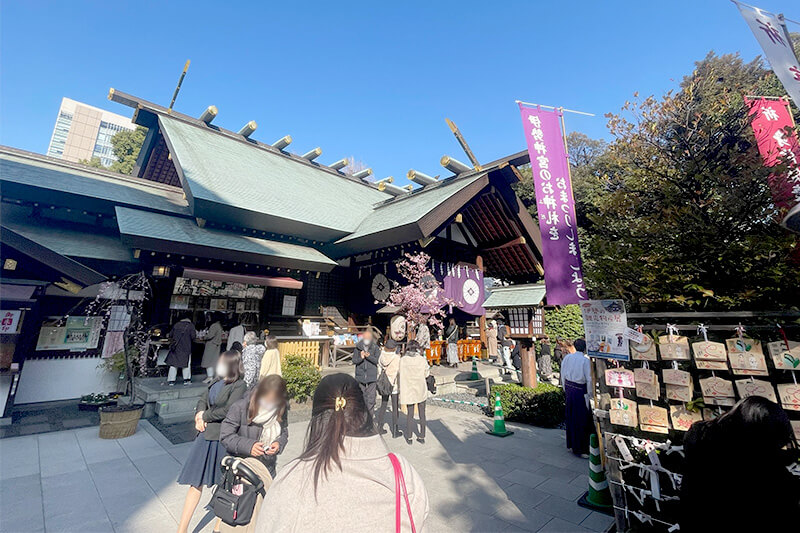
(202, 466)
(741, 458)
(181, 338)
(256, 425)
(366, 355)
(516, 354)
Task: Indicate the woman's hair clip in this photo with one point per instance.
(339, 404)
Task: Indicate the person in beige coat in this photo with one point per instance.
(389, 362)
(414, 389)
(344, 480)
(271, 360)
(491, 340)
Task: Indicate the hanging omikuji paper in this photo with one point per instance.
(777, 142)
(772, 35)
(563, 271)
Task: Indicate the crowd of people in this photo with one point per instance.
(399, 380)
(243, 413)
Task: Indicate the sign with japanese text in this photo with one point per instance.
(771, 33)
(605, 324)
(9, 321)
(777, 141)
(563, 271)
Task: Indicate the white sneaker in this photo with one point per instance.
(208, 380)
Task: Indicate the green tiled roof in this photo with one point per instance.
(222, 170)
(66, 240)
(164, 233)
(515, 296)
(409, 209)
(40, 173)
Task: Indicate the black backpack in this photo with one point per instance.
(233, 509)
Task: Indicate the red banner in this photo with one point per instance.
(777, 141)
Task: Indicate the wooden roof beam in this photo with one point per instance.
(394, 190)
(340, 164)
(362, 174)
(454, 165)
(248, 129)
(283, 142)
(209, 114)
(423, 179)
(312, 154)
(512, 242)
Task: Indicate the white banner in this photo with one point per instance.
(772, 35)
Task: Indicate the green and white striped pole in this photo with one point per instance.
(462, 402)
(598, 497)
(499, 429)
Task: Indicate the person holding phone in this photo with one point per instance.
(366, 356)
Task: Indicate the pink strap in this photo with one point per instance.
(400, 482)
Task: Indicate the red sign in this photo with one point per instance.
(776, 137)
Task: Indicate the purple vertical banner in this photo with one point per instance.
(555, 205)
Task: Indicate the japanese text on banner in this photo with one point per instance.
(555, 206)
(777, 143)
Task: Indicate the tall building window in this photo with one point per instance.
(103, 148)
(59, 139)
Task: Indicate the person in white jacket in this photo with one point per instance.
(414, 370)
(389, 363)
(345, 478)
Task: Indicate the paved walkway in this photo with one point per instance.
(74, 481)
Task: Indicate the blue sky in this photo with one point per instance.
(373, 80)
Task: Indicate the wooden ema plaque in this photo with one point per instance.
(785, 358)
(644, 351)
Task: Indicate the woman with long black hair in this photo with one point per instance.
(736, 476)
(345, 478)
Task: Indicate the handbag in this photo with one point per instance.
(384, 386)
(430, 381)
(234, 501)
(400, 483)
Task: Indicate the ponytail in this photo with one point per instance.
(338, 411)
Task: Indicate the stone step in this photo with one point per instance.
(178, 405)
(156, 389)
(174, 418)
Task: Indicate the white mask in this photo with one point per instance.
(367, 341)
(221, 370)
(267, 405)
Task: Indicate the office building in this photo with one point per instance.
(83, 132)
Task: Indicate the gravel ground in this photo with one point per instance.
(463, 397)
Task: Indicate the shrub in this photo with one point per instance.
(540, 406)
(563, 322)
(301, 376)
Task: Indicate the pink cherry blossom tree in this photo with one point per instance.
(421, 295)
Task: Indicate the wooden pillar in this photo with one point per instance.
(482, 318)
(528, 356)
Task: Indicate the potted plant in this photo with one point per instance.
(120, 303)
(94, 401)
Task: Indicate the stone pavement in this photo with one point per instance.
(74, 481)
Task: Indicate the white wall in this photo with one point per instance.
(45, 380)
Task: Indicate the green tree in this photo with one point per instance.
(676, 212)
(126, 145)
(685, 217)
(93, 162)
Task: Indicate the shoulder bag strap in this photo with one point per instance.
(400, 484)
